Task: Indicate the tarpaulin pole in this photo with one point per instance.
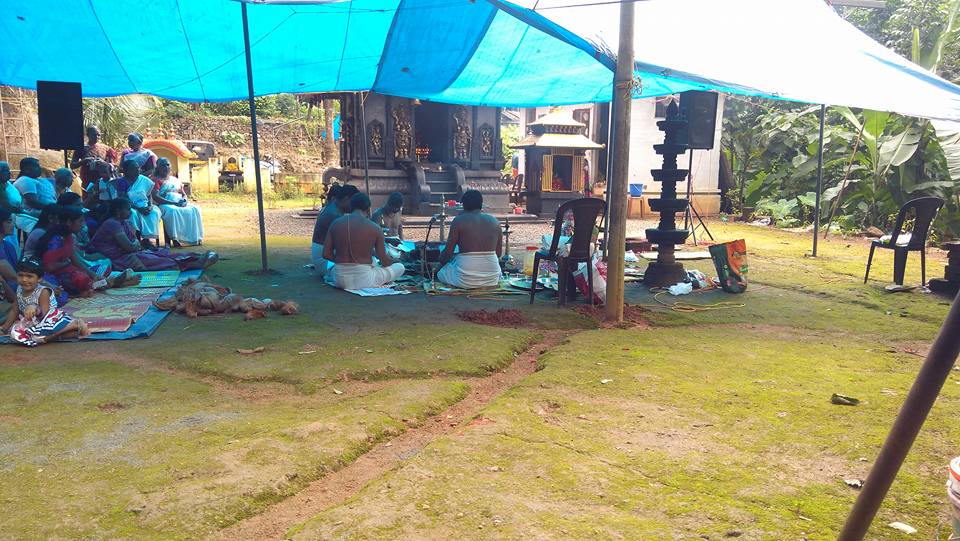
(256, 139)
(363, 144)
(616, 235)
(816, 206)
(605, 222)
(923, 394)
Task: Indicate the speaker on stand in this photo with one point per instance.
(699, 109)
(60, 116)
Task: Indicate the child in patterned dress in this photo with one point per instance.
(31, 326)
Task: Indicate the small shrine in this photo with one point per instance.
(556, 166)
(193, 162)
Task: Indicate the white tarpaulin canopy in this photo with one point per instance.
(798, 50)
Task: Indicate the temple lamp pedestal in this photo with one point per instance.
(666, 271)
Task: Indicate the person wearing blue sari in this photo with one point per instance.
(8, 258)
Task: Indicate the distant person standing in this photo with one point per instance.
(94, 151)
(145, 158)
(390, 216)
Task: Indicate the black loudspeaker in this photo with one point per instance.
(700, 110)
(60, 115)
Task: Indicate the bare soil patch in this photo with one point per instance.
(633, 317)
(338, 486)
(504, 317)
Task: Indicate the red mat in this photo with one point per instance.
(114, 312)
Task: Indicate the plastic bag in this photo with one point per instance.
(730, 259)
(599, 279)
(683, 288)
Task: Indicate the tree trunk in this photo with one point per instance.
(329, 145)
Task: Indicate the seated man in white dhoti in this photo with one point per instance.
(351, 242)
(338, 204)
(478, 237)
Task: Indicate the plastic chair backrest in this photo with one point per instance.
(925, 209)
(586, 210)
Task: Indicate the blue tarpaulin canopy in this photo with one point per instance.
(484, 52)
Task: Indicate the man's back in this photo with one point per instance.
(475, 232)
(327, 215)
(354, 239)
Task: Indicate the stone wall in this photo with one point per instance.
(296, 148)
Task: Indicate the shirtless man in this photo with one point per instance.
(390, 216)
(350, 243)
(338, 204)
(480, 242)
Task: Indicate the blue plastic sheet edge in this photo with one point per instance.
(147, 324)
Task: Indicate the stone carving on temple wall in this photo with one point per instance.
(486, 141)
(461, 134)
(375, 136)
(403, 130)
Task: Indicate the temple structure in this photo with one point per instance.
(428, 151)
(556, 168)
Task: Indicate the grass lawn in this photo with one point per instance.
(705, 424)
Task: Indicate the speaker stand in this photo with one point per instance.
(687, 216)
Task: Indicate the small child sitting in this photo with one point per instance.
(36, 317)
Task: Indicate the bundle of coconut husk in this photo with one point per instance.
(200, 298)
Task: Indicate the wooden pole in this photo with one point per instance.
(616, 235)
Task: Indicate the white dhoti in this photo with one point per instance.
(182, 224)
(471, 270)
(320, 265)
(147, 224)
(364, 275)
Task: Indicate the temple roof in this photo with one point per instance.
(174, 145)
(557, 118)
(557, 130)
(557, 140)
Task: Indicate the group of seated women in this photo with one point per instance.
(152, 199)
(78, 249)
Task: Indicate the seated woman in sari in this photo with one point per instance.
(116, 240)
(81, 240)
(181, 220)
(8, 258)
(49, 217)
(145, 158)
(57, 252)
(146, 215)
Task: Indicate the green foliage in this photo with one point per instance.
(273, 106)
(782, 211)
(232, 138)
(509, 136)
(117, 117)
(772, 146)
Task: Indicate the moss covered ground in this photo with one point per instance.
(708, 423)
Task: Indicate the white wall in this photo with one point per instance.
(644, 134)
